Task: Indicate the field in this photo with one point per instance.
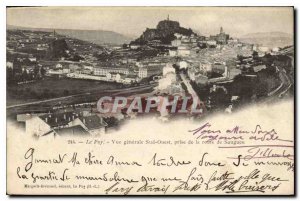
(53, 88)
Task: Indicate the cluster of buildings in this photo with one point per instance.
(168, 82)
(221, 38)
(191, 46)
(262, 50)
(250, 65)
(20, 40)
(125, 72)
(187, 45)
(151, 67)
(105, 72)
(52, 125)
(25, 46)
(207, 73)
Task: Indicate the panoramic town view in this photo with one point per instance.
(55, 76)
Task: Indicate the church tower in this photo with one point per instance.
(221, 30)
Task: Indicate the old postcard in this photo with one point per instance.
(150, 100)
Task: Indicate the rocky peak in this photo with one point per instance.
(164, 32)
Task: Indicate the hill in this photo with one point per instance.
(270, 39)
(164, 32)
(95, 36)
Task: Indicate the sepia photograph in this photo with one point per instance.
(150, 100)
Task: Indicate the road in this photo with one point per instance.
(190, 88)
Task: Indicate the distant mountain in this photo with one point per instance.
(96, 36)
(270, 39)
(266, 34)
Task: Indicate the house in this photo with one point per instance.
(58, 65)
(183, 51)
(108, 76)
(130, 79)
(9, 65)
(178, 35)
(183, 65)
(186, 40)
(66, 70)
(166, 82)
(102, 71)
(55, 72)
(191, 73)
(32, 59)
(172, 53)
(219, 68)
(201, 79)
(117, 77)
(24, 117)
(259, 68)
(211, 43)
(134, 47)
(149, 71)
(207, 67)
(176, 43)
(142, 72)
(94, 124)
(37, 127)
(74, 131)
(52, 124)
(74, 67)
(167, 69)
(87, 71)
(232, 41)
(91, 68)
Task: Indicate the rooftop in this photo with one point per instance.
(59, 119)
(72, 131)
(93, 122)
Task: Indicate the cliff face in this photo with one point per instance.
(149, 34)
(168, 25)
(164, 32)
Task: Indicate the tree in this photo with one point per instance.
(43, 72)
(9, 76)
(255, 55)
(24, 75)
(77, 58)
(243, 87)
(220, 98)
(36, 71)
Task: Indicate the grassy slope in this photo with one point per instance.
(55, 87)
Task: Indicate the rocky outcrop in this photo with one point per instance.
(164, 32)
(58, 49)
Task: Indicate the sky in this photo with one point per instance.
(132, 21)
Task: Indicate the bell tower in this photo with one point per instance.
(221, 30)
